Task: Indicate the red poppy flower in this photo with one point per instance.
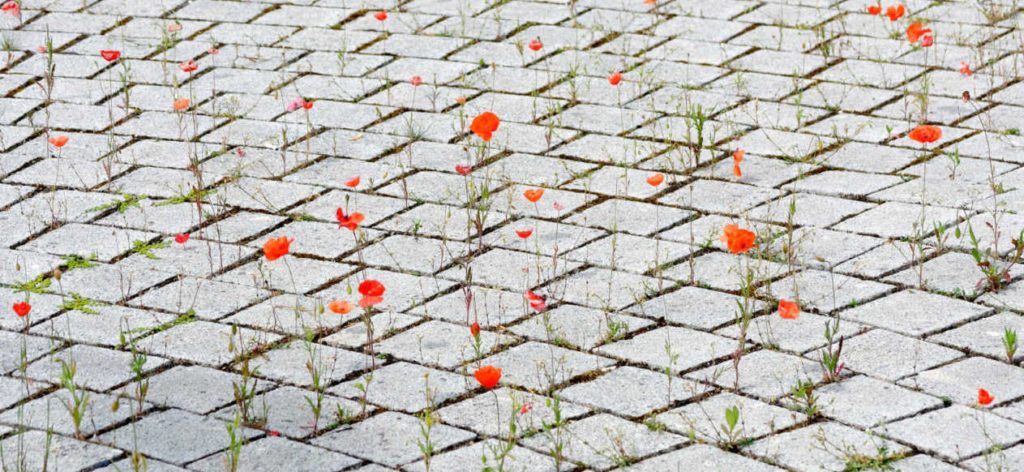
(615, 78)
(13, 8)
(474, 329)
(275, 433)
(58, 141)
(737, 158)
(535, 44)
(926, 134)
(484, 125)
(655, 180)
(965, 69)
(463, 170)
(213, 51)
(110, 55)
(533, 194)
(240, 152)
(915, 31)
(371, 288)
(181, 238)
(874, 9)
(524, 233)
(789, 310)
(381, 15)
(340, 307)
(738, 239)
(927, 41)
(985, 398)
(416, 80)
(274, 248)
(307, 104)
(188, 66)
(21, 309)
(488, 376)
(895, 12)
(349, 221)
(537, 302)
(353, 182)
(174, 27)
(181, 104)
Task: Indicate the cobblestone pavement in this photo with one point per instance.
(693, 235)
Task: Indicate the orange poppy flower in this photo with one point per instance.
(349, 221)
(533, 194)
(416, 81)
(738, 239)
(985, 398)
(874, 9)
(188, 66)
(274, 248)
(353, 182)
(926, 134)
(181, 104)
(381, 15)
(789, 310)
(895, 12)
(537, 302)
(474, 329)
(488, 376)
(965, 69)
(737, 158)
(58, 141)
(340, 307)
(927, 41)
(915, 31)
(535, 44)
(485, 125)
(655, 180)
(615, 78)
(21, 309)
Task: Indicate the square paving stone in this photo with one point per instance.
(823, 446)
(174, 436)
(632, 392)
(673, 348)
(540, 366)
(407, 387)
(604, 441)
(706, 418)
(961, 380)
(914, 312)
(489, 413)
(891, 356)
(389, 438)
(865, 402)
(975, 431)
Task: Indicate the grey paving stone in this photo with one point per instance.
(632, 392)
(828, 446)
(63, 453)
(890, 356)
(491, 412)
(192, 437)
(865, 402)
(95, 368)
(977, 431)
(583, 328)
(706, 418)
(766, 374)
(605, 441)
(388, 438)
(960, 381)
(920, 312)
(672, 348)
(286, 411)
(703, 457)
(541, 366)
(407, 387)
(985, 336)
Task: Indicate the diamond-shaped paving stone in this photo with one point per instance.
(961, 380)
(195, 388)
(865, 402)
(438, 343)
(291, 363)
(55, 452)
(630, 391)
(766, 374)
(174, 436)
(388, 438)
(694, 306)
(287, 411)
(827, 292)
(890, 356)
(705, 418)
(702, 457)
(489, 412)
(914, 312)
(671, 348)
(95, 367)
(407, 387)
(975, 431)
(490, 454)
(581, 327)
(541, 366)
(823, 446)
(799, 335)
(603, 441)
(985, 336)
(204, 342)
(282, 454)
